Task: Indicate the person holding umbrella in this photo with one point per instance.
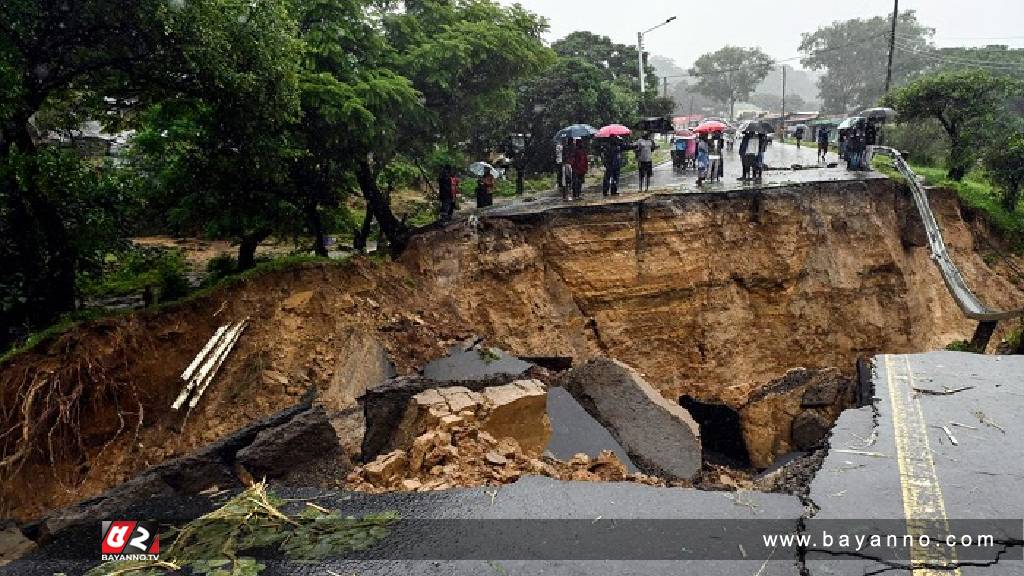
(580, 165)
(612, 159)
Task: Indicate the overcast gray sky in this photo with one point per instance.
(775, 27)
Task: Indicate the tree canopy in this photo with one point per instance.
(964, 102)
(854, 55)
(731, 73)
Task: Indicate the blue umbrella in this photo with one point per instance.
(575, 131)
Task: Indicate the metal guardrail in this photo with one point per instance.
(971, 305)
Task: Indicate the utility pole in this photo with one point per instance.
(664, 86)
(782, 121)
(892, 44)
(640, 54)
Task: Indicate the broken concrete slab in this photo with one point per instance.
(517, 410)
(660, 436)
(384, 406)
(277, 451)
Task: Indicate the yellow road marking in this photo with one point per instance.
(923, 505)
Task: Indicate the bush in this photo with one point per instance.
(220, 267)
(136, 269)
(920, 142)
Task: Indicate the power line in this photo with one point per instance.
(991, 64)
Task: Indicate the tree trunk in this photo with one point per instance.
(363, 233)
(247, 248)
(316, 224)
(53, 278)
(394, 230)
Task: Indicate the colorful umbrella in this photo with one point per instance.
(684, 133)
(575, 131)
(613, 130)
(710, 126)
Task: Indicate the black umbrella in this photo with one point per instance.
(880, 114)
(756, 127)
(575, 131)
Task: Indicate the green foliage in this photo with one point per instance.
(974, 190)
(135, 269)
(854, 55)
(1005, 163)
(731, 73)
(959, 346)
(964, 102)
(923, 142)
(215, 544)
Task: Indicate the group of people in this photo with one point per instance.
(573, 162)
(448, 190)
(854, 141)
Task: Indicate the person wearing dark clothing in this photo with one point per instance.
(612, 159)
(750, 148)
(855, 145)
(580, 165)
(799, 135)
(823, 134)
(485, 189)
(445, 193)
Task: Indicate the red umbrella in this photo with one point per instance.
(710, 126)
(613, 130)
(684, 133)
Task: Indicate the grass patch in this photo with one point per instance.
(974, 191)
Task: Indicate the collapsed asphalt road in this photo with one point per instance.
(892, 461)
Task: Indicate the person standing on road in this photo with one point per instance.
(559, 154)
(445, 193)
(612, 166)
(823, 134)
(799, 135)
(580, 165)
(703, 159)
(750, 148)
(567, 173)
(645, 148)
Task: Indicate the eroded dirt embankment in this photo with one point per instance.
(708, 295)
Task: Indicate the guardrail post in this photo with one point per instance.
(982, 335)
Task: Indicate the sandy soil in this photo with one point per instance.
(709, 295)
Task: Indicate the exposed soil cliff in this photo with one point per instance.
(708, 295)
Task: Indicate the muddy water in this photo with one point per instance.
(574, 431)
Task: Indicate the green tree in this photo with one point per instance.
(854, 55)
(619, 62)
(964, 102)
(730, 74)
(1005, 163)
(61, 59)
